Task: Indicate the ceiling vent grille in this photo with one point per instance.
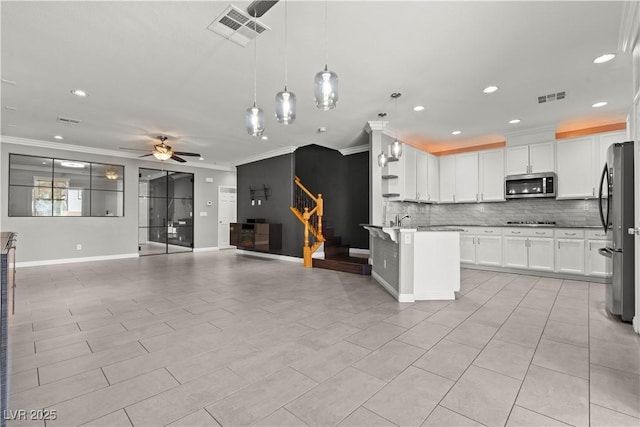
(235, 25)
(68, 120)
(552, 97)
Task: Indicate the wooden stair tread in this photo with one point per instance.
(346, 265)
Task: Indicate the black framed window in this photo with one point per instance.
(45, 186)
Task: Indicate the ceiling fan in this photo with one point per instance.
(163, 152)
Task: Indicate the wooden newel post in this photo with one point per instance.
(320, 211)
(307, 248)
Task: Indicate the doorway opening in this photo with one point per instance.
(165, 212)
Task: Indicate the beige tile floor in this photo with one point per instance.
(219, 338)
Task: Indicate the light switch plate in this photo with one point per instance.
(407, 239)
(203, 214)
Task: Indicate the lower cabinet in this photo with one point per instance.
(596, 264)
(489, 250)
(482, 246)
(467, 248)
(570, 251)
(256, 236)
(534, 253)
(516, 252)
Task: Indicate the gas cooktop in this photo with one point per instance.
(532, 223)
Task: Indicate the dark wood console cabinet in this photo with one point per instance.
(257, 237)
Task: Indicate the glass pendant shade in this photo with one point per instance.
(396, 149)
(382, 160)
(326, 89)
(285, 107)
(255, 121)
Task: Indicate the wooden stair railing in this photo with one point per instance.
(309, 209)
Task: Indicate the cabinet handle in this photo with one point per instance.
(593, 191)
(454, 198)
(488, 231)
(527, 243)
(481, 197)
(478, 240)
(417, 196)
(515, 232)
(569, 234)
(477, 197)
(473, 239)
(589, 245)
(539, 232)
(558, 245)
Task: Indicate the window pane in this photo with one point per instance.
(23, 202)
(71, 173)
(107, 203)
(23, 169)
(107, 177)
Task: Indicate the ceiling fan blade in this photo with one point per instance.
(146, 155)
(178, 159)
(184, 153)
(132, 149)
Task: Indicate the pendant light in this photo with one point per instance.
(326, 82)
(254, 116)
(396, 147)
(285, 100)
(382, 158)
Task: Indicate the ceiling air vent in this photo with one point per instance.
(551, 97)
(236, 25)
(67, 120)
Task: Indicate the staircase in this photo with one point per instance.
(336, 256)
(309, 209)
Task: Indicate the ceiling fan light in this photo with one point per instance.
(382, 160)
(254, 120)
(286, 107)
(111, 174)
(326, 89)
(162, 155)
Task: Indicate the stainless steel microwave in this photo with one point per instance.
(530, 185)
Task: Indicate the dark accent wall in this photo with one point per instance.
(277, 174)
(343, 182)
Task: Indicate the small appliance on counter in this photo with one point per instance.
(530, 185)
(616, 199)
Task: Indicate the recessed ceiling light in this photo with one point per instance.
(604, 58)
(58, 137)
(72, 164)
(418, 108)
(201, 158)
(264, 137)
(599, 104)
(322, 129)
(44, 163)
(490, 89)
(79, 92)
(456, 132)
(514, 121)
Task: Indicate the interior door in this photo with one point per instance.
(227, 214)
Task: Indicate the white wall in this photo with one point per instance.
(47, 239)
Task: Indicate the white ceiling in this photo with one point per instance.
(153, 68)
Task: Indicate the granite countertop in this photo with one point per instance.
(523, 225)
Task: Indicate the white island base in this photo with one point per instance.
(416, 264)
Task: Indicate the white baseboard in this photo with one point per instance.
(73, 260)
(391, 289)
(318, 254)
(636, 324)
(209, 249)
(270, 256)
(358, 251)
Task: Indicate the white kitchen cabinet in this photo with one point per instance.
(466, 182)
(409, 159)
(433, 178)
(596, 264)
(602, 143)
(570, 256)
(527, 159)
(427, 179)
(467, 248)
(447, 179)
(541, 253)
(489, 250)
(576, 177)
(491, 175)
(516, 252)
(570, 250)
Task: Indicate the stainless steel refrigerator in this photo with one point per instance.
(616, 214)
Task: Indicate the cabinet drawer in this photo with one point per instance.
(528, 232)
(570, 233)
(598, 234)
(489, 231)
(469, 230)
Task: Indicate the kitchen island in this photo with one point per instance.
(415, 264)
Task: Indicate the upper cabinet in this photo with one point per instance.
(580, 162)
(491, 175)
(472, 177)
(413, 177)
(527, 159)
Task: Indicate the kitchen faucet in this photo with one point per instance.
(399, 220)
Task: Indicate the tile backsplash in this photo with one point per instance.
(566, 213)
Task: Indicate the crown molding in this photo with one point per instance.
(374, 125)
(629, 26)
(354, 150)
(4, 139)
(267, 155)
